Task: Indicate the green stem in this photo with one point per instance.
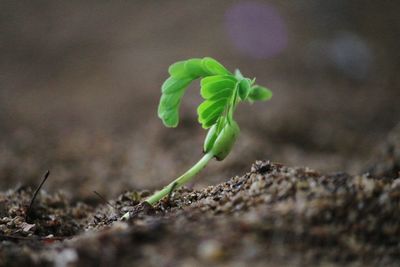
(186, 177)
(233, 103)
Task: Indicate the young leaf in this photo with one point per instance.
(213, 67)
(216, 78)
(172, 85)
(217, 91)
(259, 93)
(182, 73)
(195, 68)
(210, 111)
(178, 71)
(172, 92)
(214, 84)
(244, 88)
(171, 118)
(223, 93)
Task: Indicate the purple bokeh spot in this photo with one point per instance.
(256, 29)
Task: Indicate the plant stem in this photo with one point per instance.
(186, 177)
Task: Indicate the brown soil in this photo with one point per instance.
(273, 215)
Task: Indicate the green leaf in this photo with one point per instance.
(195, 68)
(215, 78)
(214, 84)
(182, 73)
(213, 67)
(172, 85)
(223, 93)
(169, 101)
(171, 118)
(218, 86)
(210, 111)
(259, 93)
(207, 108)
(217, 91)
(244, 88)
(212, 119)
(178, 71)
(168, 110)
(173, 90)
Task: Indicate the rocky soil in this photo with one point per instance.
(274, 215)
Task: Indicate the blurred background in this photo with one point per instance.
(80, 84)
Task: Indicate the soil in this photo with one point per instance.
(274, 215)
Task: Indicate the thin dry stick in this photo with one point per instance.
(30, 238)
(29, 210)
(105, 200)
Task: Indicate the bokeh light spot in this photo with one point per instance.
(256, 29)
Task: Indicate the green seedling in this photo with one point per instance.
(222, 91)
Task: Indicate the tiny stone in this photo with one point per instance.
(26, 227)
(210, 250)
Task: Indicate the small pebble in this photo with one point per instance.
(210, 250)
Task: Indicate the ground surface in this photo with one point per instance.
(273, 215)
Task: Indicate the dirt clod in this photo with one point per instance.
(386, 161)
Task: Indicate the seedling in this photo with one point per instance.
(222, 91)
